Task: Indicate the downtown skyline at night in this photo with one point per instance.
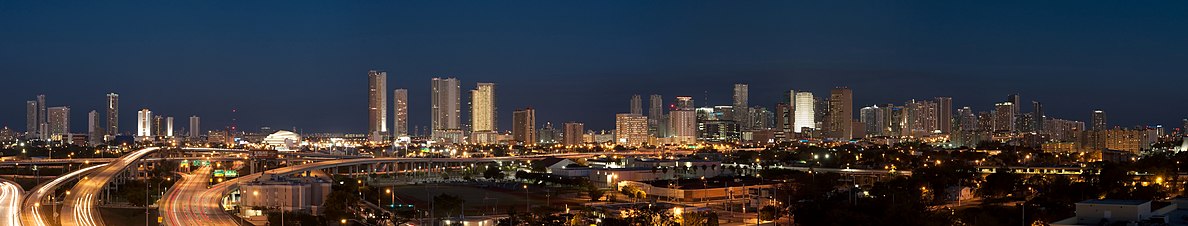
(601, 113)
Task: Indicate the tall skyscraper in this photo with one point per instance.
(944, 114)
(446, 110)
(1099, 120)
(1037, 110)
(94, 128)
(966, 119)
(524, 126)
(1015, 114)
(1004, 119)
(400, 126)
(59, 123)
(31, 120)
(742, 113)
(636, 105)
(655, 114)
(169, 127)
(573, 133)
(42, 116)
(804, 112)
(482, 108)
(873, 120)
(195, 127)
(683, 123)
(158, 125)
(631, 129)
(921, 118)
(377, 105)
(841, 113)
(783, 120)
(113, 114)
(144, 125)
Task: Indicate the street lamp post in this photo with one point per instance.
(527, 204)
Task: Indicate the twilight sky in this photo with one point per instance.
(303, 63)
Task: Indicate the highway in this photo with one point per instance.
(10, 202)
(175, 208)
(31, 206)
(79, 206)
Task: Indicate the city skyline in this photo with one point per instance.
(976, 72)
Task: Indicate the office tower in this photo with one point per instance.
(41, 116)
(548, 134)
(1015, 105)
(524, 126)
(400, 98)
(761, 118)
(1004, 119)
(113, 114)
(683, 124)
(841, 113)
(636, 104)
(944, 114)
(94, 128)
(573, 133)
(158, 125)
(655, 113)
(741, 112)
(804, 112)
(377, 105)
(783, 120)
(169, 127)
(873, 119)
(482, 108)
(31, 120)
(684, 102)
(896, 117)
(1184, 128)
(59, 123)
(195, 127)
(966, 119)
(446, 111)
(631, 129)
(1099, 120)
(921, 118)
(1037, 110)
(144, 124)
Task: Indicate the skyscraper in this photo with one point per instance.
(573, 133)
(169, 127)
(684, 102)
(94, 128)
(42, 127)
(742, 113)
(482, 108)
(683, 123)
(195, 127)
(872, 119)
(841, 113)
(1015, 104)
(144, 125)
(31, 112)
(636, 105)
(944, 114)
(655, 114)
(524, 126)
(377, 105)
(446, 110)
(400, 98)
(113, 114)
(783, 120)
(1004, 119)
(631, 129)
(804, 112)
(59, 123)
(1037, 110)
(1099, 120)
(158, 125)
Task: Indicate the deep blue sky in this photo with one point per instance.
(303, 64)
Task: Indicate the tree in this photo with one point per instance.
(493, 172)
(769, 213)
(706, 218)
(594, 193)
(999, 184)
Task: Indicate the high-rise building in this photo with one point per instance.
(1004, 117)
(742, 113)
(683, 124)
(874, 120)
(631, 129)
(42, 116)
(482, 108)
(94, 128)
(573, 133)
(655, 114)
(636, 104)
(1099, 120)
(1037, 111)
(113, 114)
(524, 126)
(169, 127)
(377, 105)
(684, 102)
(841, 113)
(804, 112)
(921, 118)
(1015, 113)
(195, 127)
(783, 121)
(31, 121)
(144, 125)
(548, 134)
(59, 123)
(966, 119)
(446, 111)
(400, 126)
(944, 114)
(158, 125)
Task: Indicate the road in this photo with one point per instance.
(31, 206)
(175, 209)
(79, 206)
(10, 202)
